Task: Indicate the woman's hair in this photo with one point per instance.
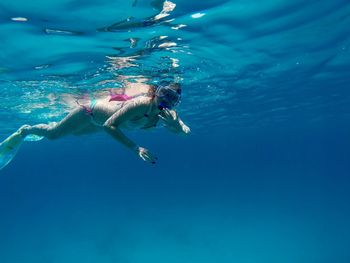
(175, 86)
(172, 85)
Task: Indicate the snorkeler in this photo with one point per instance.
(137, 106)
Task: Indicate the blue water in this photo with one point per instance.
(264, 176)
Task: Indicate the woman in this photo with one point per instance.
(136, 106)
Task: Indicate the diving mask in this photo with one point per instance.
(169, 97)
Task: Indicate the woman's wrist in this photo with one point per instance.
(135, 148)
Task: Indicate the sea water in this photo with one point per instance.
(264, 175)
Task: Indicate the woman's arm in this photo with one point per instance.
(173, 123)
(126, 113)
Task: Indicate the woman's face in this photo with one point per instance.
(168, 97)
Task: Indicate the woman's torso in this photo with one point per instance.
(104, 108)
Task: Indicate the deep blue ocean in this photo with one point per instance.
(264, 175)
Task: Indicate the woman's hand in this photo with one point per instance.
(170, 118)
(173, 122)
(145, 155)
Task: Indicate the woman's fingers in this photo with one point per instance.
(167, 121)
(169, 117)
(173, 115)
(168, 114)
(147, 156)
(160, 116)
(150, 157)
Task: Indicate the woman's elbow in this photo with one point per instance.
(108, 127)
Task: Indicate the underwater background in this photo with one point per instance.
(264, 175)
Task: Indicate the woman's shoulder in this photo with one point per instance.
(141, 101)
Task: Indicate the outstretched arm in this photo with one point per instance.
(173, 123)
(127, 112)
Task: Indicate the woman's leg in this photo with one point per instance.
(73, 122)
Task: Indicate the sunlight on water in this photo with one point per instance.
(230, 55)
